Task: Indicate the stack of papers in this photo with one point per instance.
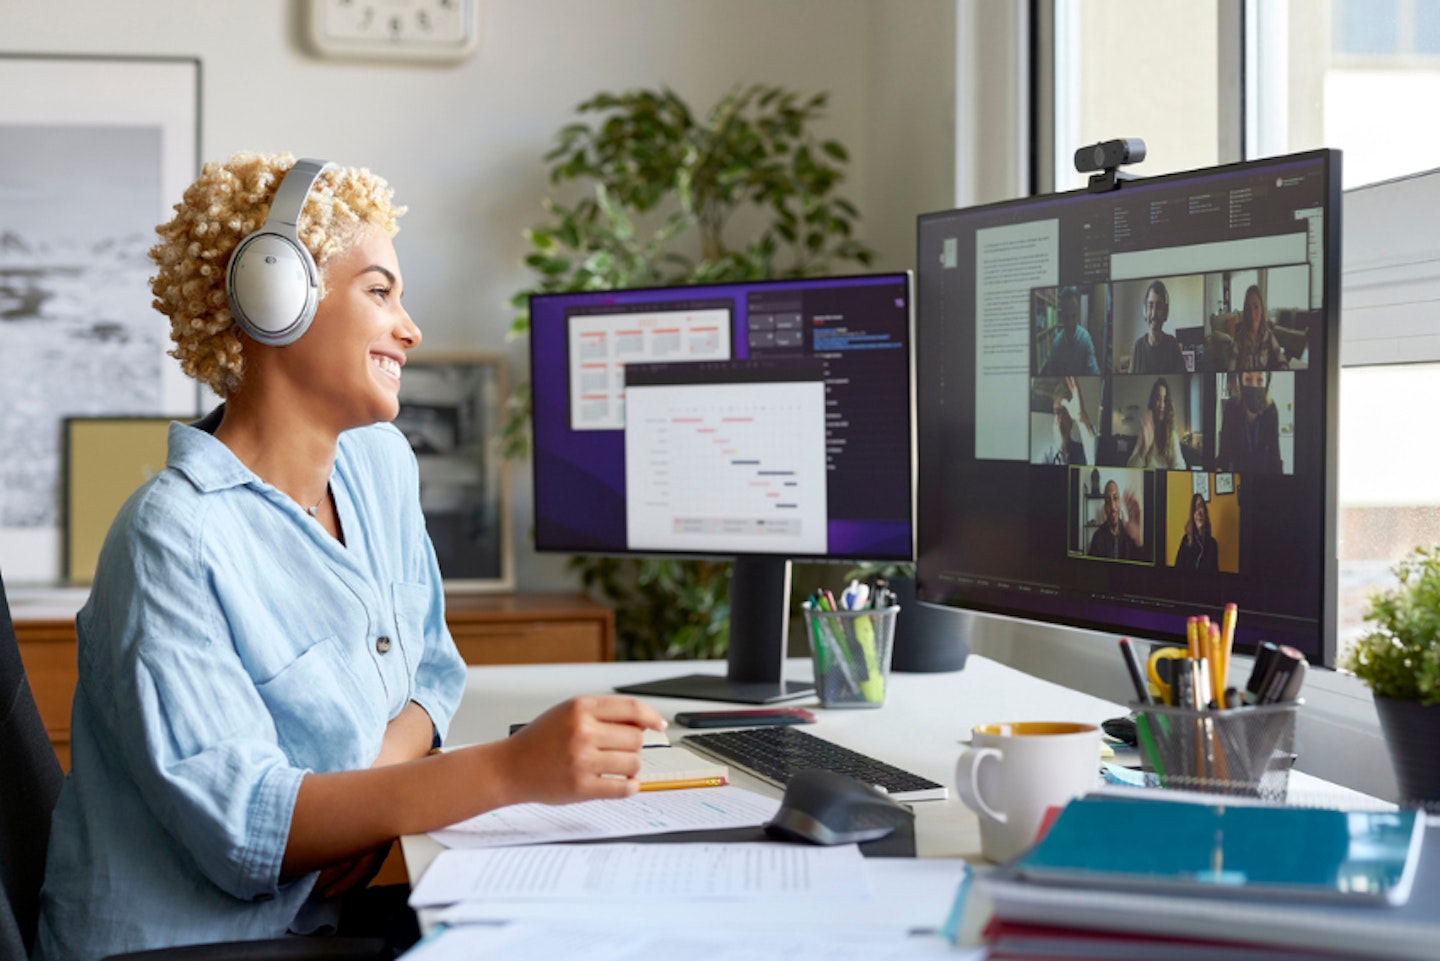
(754, 899)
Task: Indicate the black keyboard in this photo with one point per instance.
(775, 754)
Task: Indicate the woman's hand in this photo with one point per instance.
(586, 748)
(1147, 431)
(349, 875)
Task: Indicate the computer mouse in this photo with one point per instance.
(825, 807)
(1121, 729)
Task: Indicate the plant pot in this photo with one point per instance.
(1412, 733)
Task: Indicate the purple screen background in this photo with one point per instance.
(579, 476)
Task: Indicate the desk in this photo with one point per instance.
(925, 719)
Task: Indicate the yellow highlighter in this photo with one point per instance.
(873, 686)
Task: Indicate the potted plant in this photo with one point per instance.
(649, 189)
(1399, 659)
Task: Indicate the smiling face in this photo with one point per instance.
(1200, 515)
(1159, 400)
(350, 359)
(1112, 505)
(1156, 311)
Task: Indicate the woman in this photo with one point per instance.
(1159, 443)
(1255, 345)
(264, 662)
(1198, 551)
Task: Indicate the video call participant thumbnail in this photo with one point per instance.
(1250, 423)
(1071, 346)
(1120, 534)
(1062, 433)
(1155, 351)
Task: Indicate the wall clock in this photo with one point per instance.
(435, 30)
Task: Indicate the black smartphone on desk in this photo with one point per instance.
(756, 718)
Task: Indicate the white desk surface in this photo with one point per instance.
(923, 726)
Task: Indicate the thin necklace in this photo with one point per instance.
(315, 511)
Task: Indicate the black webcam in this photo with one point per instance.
(1109, 154)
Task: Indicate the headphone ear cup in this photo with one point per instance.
(272, 289)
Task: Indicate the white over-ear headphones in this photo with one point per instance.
(272, 284)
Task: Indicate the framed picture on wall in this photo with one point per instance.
(1224, 484)
(1200, 484)
(106, 459)
(96, 152)
(450, 410)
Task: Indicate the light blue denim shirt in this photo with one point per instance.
(229, 646)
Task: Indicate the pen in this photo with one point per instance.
(1265, 656)
(677, 785)
(1285, 677)
(1137, 677)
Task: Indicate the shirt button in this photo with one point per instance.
(382, 645)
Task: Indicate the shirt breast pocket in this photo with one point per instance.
(320, 720)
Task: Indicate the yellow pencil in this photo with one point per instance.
(1217, 667)
(676, 785)
(1227, 641)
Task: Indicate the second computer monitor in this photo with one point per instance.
(764, 421)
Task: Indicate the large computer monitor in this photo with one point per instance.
(763, 421)
(1127, 404)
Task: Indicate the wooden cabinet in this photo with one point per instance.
(488, 629)
(530, 628)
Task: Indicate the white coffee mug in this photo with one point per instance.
(1014, 772)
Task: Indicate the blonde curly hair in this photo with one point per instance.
(230, 200)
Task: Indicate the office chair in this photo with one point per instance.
(29, 788)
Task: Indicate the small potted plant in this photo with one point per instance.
(1399, 659)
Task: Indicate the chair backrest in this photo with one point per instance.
(30, 778)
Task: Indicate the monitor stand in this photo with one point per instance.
(759, 630)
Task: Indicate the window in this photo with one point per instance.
(1351, 74)
(1146, 70)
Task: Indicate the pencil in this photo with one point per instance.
(1227, 641)
(1217, 667)
(676, 785)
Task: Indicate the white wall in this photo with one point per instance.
(462, 145)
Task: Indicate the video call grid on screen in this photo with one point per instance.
(771, 417)
(1063, 447)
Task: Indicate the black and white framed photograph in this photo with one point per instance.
(96, 152)
(451, 408)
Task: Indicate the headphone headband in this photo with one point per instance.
(290, 197)
(272, 282)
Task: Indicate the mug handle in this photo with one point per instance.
(967, 780)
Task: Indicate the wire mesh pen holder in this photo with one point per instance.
(851, 651)
(1242, 751)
